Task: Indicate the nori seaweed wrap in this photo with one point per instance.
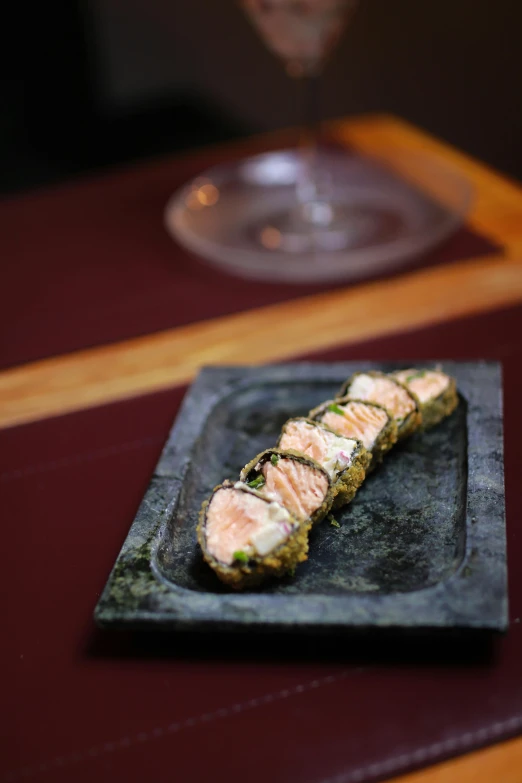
(435, 391)
(258, 527)
(378, 387)
(297, 482)
(369, 422)
(344, 459)
(247, 538)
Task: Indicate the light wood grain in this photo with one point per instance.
(157, 361)
(498, 764)
(497, 207)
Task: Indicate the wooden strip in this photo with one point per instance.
(497, 209)
(146, 364)
(114, 372)
(500, 763)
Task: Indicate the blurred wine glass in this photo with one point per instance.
(311, 214)
(301, 32)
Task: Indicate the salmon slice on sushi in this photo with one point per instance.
(367, 422)
(436, 392)
(344, 459)
(295, 481)
(247, 538)
(387, 391)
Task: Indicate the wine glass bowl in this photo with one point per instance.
(300, 32)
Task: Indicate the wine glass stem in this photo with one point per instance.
(306, 185)
(312, 187)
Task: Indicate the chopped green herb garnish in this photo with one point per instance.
(257, 482)
(336, 409)
(241, 556)
(291, 572)
(332, 520)
(419, 374)
(274, 459)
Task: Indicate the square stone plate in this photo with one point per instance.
(422, 546)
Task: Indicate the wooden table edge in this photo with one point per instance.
(497, 763)
(142, 365)
(67, 383)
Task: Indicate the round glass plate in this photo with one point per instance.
(380, 215)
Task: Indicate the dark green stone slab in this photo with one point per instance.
(421, 546)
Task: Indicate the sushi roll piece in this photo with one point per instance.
(378, 387)
(247, 538)
(368, 422)
(436, 392)
(344, 459)
(296, 482)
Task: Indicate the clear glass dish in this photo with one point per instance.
(378, 216)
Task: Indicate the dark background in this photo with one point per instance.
(91, 83)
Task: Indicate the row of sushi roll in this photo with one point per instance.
(258, 527)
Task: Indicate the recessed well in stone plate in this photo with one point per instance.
(422, 544)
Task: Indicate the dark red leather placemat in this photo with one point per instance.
(92, 262)
(84, 705)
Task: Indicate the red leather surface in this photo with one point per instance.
(84, 705)
(90, 263)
